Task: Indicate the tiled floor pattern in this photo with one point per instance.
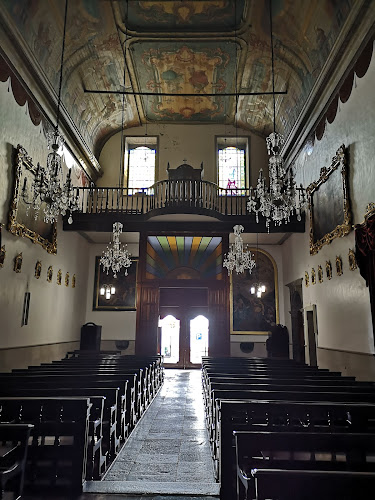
(168, 452)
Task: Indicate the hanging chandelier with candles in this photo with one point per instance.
(239, 257)
(48, 188)
(116, 256)
(278, 201)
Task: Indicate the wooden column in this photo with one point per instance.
(147, 320)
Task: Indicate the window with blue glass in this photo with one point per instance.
(232, 164)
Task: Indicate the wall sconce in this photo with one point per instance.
(107, 290)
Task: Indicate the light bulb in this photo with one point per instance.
(263, 288)
(259, 293)
(252, 290)
(102, 291)
(113, 290)
(107, 294)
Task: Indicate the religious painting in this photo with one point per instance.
(185, 68)
(320, 274)
(251, 314)
(330, 215)
(2, 255)
(184, 257)
(328, 269)
(49, 274)
(307, 279)
(124, 289)
(313, 276)
(21, 216)
(339, 270)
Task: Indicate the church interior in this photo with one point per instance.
(187, 186)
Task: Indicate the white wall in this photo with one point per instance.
(193, 143)
(343, 304)
(56, 312)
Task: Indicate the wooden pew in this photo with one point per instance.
(57, 454)
(14, 440)
(281, 416)
(302, 452)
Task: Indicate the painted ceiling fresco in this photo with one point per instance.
(178, 47)
(185, 67)
(184, 257)
(151, 16)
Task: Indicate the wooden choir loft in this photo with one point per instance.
(164, 108)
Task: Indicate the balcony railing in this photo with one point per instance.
(167, 196)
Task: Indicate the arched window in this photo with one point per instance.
(140, 162)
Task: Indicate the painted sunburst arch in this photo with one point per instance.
(184, 257)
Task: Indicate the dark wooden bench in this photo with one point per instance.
(57, 454)
(14, 440)
(301, 452)
(281, 416)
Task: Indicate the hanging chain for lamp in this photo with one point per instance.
(281, 199)
(48, 188)
(257, 288)
(239, 258)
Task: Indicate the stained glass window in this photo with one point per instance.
(232, 168)
(141, 167)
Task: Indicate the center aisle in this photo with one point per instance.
(168, 452)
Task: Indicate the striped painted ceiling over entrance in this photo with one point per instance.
(184, 257)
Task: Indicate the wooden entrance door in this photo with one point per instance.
(184, 304)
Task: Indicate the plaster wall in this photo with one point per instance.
(56, 312)
(179, 144)
(116, 325)
(343, 304)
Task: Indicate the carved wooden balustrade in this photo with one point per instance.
(167, 196)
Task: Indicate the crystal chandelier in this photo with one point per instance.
(281, 199)
(239, 257)
(116, 256)
(107, 291)
(47, 187)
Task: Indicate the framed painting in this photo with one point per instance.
(123, 289)
(251, 314)
(330, 215)
(21, 217)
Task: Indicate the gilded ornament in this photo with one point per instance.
(59, 277)
(18, 263)
(320, 274)
(329, 269)
(38, 269)
(313, 276)
(73, 281)
(67, 279)
(2, 255)
(339, 270)
(352, 260)
(307, 279)
(49, 274)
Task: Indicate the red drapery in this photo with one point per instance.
(365, 255)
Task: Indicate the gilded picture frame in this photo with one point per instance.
(21, 221)
(307, 279)
(329, 204)
(66, 279)
(49, 274)
(250, 315)
(59, 277)
(125, 297)
(73, 281)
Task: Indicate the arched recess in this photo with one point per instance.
(176, 289)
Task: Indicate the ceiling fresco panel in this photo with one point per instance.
(182, 16)
(185, 67)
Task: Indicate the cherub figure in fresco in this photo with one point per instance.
(42, 42)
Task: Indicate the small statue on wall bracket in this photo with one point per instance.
(38, 269)
(18, 263)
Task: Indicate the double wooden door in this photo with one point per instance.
(184, 304)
